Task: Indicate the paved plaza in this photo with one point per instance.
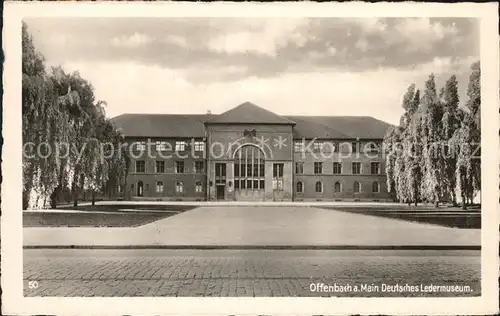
(244, 273)
(259, 226)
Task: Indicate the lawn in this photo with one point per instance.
(102, 216)
(445, 216)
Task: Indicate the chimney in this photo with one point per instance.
(209, 112)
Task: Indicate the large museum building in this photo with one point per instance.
(251, 154)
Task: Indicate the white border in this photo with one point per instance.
(11, 222)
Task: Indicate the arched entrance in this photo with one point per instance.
(249, 173)
(140, 188)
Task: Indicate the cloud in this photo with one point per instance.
(177, 40)
(376, 93)
(265, 38)
(228, 49)
(421, 33)
(135, 40)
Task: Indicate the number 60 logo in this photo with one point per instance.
(32, 284)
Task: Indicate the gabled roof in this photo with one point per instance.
(344, 126)
(305, 128)
(192, 125)
(161, 125)
(249, 113)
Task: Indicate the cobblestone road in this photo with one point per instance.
(244, 273)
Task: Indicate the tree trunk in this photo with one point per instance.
(416, 202)
(74, 187)
(26, 197)
(93, 198)
(53, 199)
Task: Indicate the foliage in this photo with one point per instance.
(64, 129)
(432, 154)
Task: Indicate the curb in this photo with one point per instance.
(260, 247)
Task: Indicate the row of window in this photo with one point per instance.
(249, 170)
(337, 168)
(249, 184)
(140, 166)
(180, 145)
(337, 187)
(179, 187)
(299, 146)
(321, 146)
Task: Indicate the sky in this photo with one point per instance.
(291, 66)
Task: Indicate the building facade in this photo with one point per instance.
(251, 154)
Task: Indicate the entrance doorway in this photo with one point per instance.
(140, 188)
(221, 189)
(220, 180)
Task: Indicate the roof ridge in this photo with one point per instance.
(247, 109)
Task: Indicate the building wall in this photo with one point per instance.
(275, 140)
(346, 157)
(228, 138)
(169, 177)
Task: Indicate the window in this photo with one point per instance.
(318, 187)
(199, 146)
(180, 145)
(161, 145)
(337, 168)
(119, 189)
(298, 147)
(373, 147)
(318, 167)
(249, 170)
(179, 167)
(199, 166)
(160, 166)
(198, 187)
(354, 147)
(357, 187)
(132, 186)
(356, 168)
(140, 146)
(179, 187)
(299, 167)
(278, 170)
(237, 169)
(140, 166)
(220, 173)
(256, 170)
(317, 146)
(335, 147)
(300, 187)
(375, 187)
(337, 187)
(375, 167)
(159, 187)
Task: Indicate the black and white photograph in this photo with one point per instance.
(287, 156)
